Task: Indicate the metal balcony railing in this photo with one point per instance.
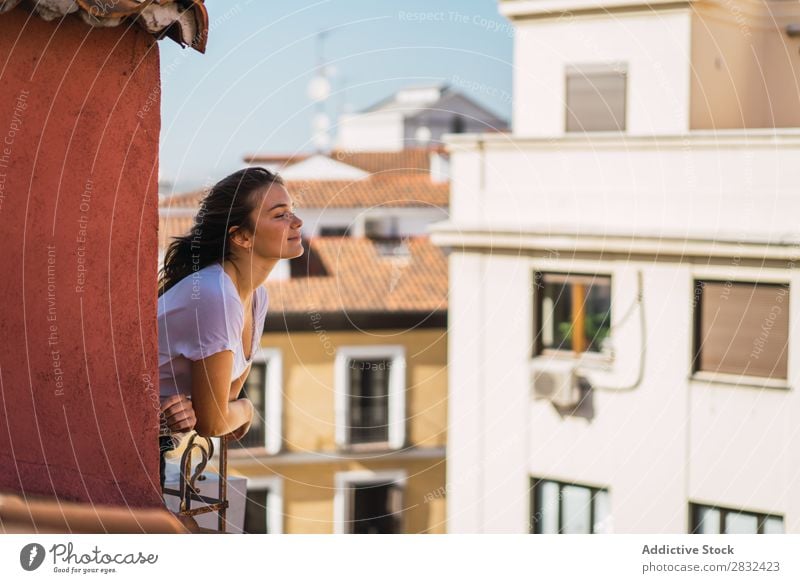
(187, 491)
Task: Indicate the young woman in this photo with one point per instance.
(212, 303)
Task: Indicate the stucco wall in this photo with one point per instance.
(673, 440)
(654, 50)
(309, 493)
(308, 389)
(79, 128)
(744, 68)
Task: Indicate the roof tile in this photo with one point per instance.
(362, 280)
(184, 21)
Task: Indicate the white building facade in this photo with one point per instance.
(621, 344)
(415, 117)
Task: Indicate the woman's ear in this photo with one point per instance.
(240, 237)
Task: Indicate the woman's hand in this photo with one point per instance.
(240, 432)
(178, 412)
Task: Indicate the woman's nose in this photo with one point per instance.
(298, 222)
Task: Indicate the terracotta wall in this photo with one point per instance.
(79, 128)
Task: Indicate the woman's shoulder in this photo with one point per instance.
(205, 303)
(205, 288)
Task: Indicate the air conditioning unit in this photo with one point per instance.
(556, 380)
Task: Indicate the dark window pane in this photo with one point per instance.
(373, 511)
(343, 231)
(369, 400)
(255, 390)
(309, 264)
(574, 305)
(597, 315)
(255, 512)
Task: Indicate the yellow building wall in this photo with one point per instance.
(308, 377)
(308, 493)
(309, 426)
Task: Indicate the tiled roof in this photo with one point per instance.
(184, 21)
(404, 190)
(411, 160)
(360, 279)
(391, 190)
(184, 200)
(172, 226)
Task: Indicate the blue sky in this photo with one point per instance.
(249, 92)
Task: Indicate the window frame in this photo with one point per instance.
(342, 501)
(273, 401)
(539, 349)
(749, 277)
(585, 70)
(532, 499)
(761, 517)
(397, 394)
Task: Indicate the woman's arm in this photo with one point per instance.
(236, 386)
(211, 389)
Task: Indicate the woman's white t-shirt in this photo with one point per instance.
(199, 316)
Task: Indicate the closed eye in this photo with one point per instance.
(285, 213)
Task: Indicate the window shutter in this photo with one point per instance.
(743, 329)
(595, 101)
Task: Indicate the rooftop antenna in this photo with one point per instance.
(319, 90)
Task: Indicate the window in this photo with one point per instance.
(741, 328)
(309, 264)
(457, 126)
(331, 231)
(560, 508)
(370, 396)
(715, 520)
(376, 509)
(255, 389)
(367, 502)
(263, 387)
(377, 228)
(263, 511)
(369, 400)
(255, 512)
(595, 99)
(573, 311)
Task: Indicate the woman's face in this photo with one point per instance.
(276, 229)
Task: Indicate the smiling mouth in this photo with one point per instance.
(297, 238)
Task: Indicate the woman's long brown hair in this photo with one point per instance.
(228, 204)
